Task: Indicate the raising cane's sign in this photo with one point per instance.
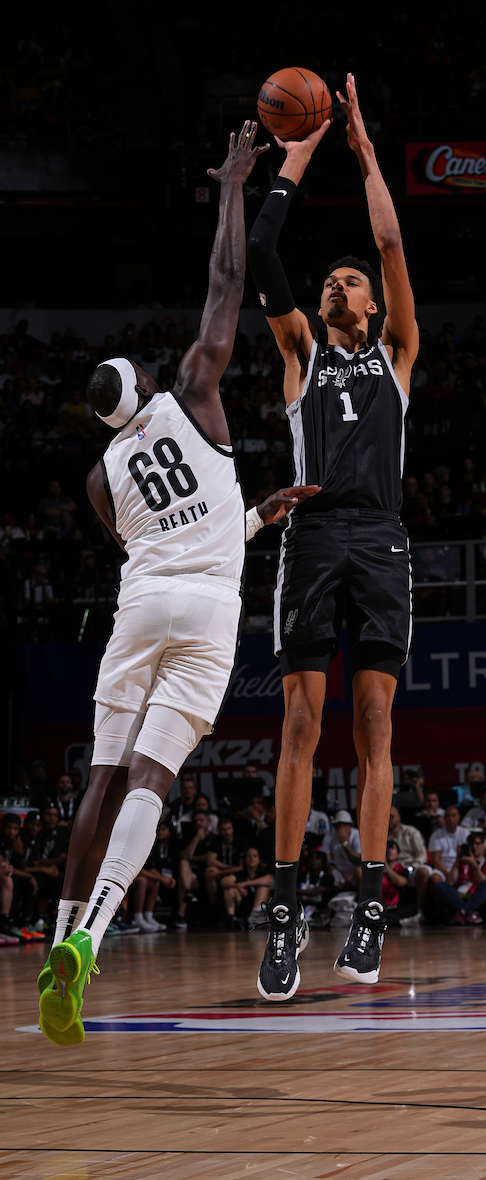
(436, 169)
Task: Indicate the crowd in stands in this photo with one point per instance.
(214, 869)
(55, 79)
(59, 88)
(57, 560)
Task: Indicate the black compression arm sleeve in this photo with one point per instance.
(270, 279)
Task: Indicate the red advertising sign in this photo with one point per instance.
(446, 167)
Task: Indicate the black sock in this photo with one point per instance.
(371, 880)
(286, 872)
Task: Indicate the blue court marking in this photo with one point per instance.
(465, 996)
(284, 1022)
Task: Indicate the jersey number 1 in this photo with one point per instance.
(180, 476)
(349, 414)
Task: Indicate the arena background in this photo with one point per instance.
(108, 126)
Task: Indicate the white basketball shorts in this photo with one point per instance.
(174, 643)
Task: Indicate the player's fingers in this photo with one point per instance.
(323, 128)
(259, 149)
(244, 133)
(212, 172)
(344, 102)
(250, 135)
(280, 142)
(351, 88)
(308, 489)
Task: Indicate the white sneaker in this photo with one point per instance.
(415, 920)
(143, 926)
(158, 927)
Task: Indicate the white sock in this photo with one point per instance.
(103, 903)
(131, 840)
(137, 918)
(69, 915)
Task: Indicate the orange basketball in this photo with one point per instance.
(293, 102)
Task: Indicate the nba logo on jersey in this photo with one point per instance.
(140, 431)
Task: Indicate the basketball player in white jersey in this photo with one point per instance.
(345, 551)
(168, 490)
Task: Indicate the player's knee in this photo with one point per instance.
(372, 725)
(302, 727)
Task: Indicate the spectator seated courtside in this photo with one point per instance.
(443, 846)
(464, 890)
(228, 850)
(343, 850)
(184, 802)
(431, 816)
(192, 868)
(246, 891)
(476, 816)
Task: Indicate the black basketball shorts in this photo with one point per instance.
(350, 563)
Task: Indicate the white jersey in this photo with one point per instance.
(175, 495)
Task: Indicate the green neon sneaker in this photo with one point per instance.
(74, 1035)
(71, 963)
(46, 978)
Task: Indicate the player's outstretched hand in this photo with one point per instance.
(355, 130)
(304, 147)
(241, 155)
(277, 506)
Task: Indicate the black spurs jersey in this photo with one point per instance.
(348, 430)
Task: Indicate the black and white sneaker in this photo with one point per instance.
(361, 956)
(279, 975)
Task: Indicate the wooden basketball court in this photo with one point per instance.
(186, 1072)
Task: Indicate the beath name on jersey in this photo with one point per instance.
(167, 522)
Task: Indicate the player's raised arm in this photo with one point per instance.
(203, 365)
(293, 333)
(400, 328)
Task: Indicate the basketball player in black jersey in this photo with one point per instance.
(345, 551)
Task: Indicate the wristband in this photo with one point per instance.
(254, 522)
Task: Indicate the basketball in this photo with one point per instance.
(293, 102)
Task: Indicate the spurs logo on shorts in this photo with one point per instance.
(290, 621)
